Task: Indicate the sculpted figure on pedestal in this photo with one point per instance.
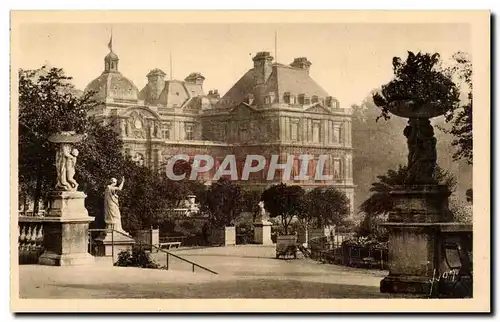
(112, 215)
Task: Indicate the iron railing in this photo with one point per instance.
(148, 246)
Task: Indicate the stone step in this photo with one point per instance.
(103, 261)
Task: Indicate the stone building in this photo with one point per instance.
(273, 109)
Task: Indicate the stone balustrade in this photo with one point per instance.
(30, 239)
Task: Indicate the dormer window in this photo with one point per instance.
(248, 99)
(314, 99)
(269, 99)
(304, 99)
(332, 102)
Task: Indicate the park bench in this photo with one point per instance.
(169, 245)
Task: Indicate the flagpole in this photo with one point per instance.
(276, 45)
(171, 68)
(110, 44)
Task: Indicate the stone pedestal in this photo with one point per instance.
(414, 252)
(113, 243)
(66, 225)
(262, 233)
(224, 236)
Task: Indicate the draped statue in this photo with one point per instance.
(112, 215)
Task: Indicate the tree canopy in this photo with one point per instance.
(223, 202)
(283, 201)
(461, 118)
(328, 206)
(49, 103)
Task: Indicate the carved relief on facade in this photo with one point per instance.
(138, 158)
(153, 128)
(137, 125)
(141, 126)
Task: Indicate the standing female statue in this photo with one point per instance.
(112, 215)
(62, 156)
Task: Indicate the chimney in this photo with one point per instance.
(213, 93)
(156, 83)
(301, 63)
(263, 66)
(195, 78)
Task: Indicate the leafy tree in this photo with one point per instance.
(370, 227)
(380, 202)
(48, 104)
(285, 202)
(461, 118)
(223, 203)
(251, 198)
(329, 206)
(378, 146)
(418, 80)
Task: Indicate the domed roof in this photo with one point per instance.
(113, 85)
(111, 55)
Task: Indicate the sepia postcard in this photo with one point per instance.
(250, 161)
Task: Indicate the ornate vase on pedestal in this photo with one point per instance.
(67, 221)
(420, 206)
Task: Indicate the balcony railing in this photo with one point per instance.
(30, 239)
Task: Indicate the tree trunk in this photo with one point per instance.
(38, 189)
(285, 224)
(306, 226)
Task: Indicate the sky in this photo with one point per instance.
(348, 60)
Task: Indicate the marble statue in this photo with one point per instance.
(112, 215)
(70, 169)
(262, 213)
(66, 157)
(152, 130)
(65, 167)
(62, 154)
(123, 127)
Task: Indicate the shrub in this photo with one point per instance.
(461, 210)
(135, 258)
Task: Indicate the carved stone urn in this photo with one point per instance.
(419, 206)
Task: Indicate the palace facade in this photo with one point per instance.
(273, 109)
